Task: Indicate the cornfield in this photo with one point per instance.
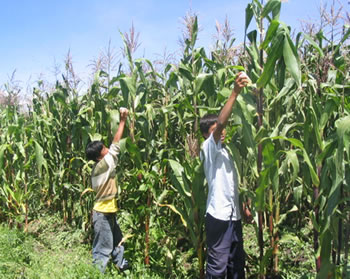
(290, 135)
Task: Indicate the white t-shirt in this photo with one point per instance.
(222, 178)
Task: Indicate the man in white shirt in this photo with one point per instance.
(225, 253)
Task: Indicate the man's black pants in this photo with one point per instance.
(225, 254)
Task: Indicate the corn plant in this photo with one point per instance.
(324, 137)
(270, 64)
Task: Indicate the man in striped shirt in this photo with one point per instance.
(107, 234)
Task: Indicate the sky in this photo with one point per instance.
(35, 35)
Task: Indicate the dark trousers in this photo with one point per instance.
(225, 253)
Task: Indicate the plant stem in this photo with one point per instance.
(260, 157)
(147, 262)
(276, 238)
(317, 217)
(346, 248)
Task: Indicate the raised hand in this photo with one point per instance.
(241, 81)
(123, 113)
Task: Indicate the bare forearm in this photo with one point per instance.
(227, 110)
(123, 116)
(224, 116)
(119, 134)
(240, 82)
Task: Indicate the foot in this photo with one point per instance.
(124, 265)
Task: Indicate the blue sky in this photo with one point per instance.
(36, 34)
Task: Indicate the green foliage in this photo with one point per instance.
(42, 254)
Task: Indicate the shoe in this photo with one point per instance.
(124, 266)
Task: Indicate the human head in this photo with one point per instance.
(96, 150)
(206, 122)
(207, 125)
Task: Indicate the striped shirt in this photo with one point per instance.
(104, 182)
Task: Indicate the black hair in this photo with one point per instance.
(93, 150)
(206, 122)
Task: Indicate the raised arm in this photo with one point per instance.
(240, 82)
(123, 116)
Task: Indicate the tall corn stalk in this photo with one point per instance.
(270, 76)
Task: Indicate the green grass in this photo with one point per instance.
(46, 251)
(52, 250)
